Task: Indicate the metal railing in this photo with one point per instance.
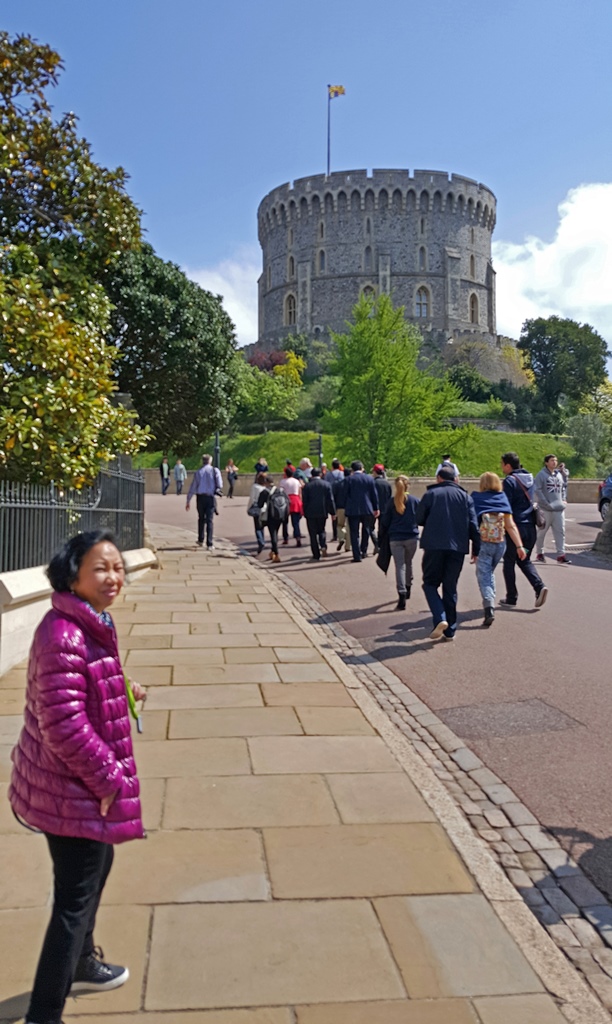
(36, 519)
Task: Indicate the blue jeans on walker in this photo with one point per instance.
(489, 558)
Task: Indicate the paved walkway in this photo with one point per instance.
(303, 865)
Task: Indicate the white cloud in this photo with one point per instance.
(570, 276)
(235, 280)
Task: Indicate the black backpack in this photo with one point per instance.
(278, 505)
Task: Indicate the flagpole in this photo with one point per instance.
(328, 128)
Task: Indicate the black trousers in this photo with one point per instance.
(80, 870)
(316, 532)
(206, 510)
(360, 548)
(274, 526)
(511, 560)
(442, 568)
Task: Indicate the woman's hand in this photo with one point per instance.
(105, 803)
(139, 691)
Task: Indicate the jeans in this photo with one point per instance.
(442, 568)
(316, 532)
(259, 533)
(556, 519)
(489, 558)
(273, 528)
(80, 869)
(511, 560)
(231, 480)
(295, 523)
(206, 511)
(179, 487)
(165, 484)
(403, 552)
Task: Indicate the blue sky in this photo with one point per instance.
(209, 106)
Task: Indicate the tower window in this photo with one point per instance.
(290, 311)
(291, 268)
(369, 293)
(422, 258)
(422, 225)
(322, 261)
(321, 230)
(473, 309)
(290, 236)
(472, 267)
(368, 226)
(472, 235)
(422, 303)
(367, 261)
(269, 276)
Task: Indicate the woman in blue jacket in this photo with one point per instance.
(399, 521)
(494, 520)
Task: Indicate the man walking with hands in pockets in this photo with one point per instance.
(206, 482)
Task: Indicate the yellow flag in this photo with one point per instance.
(336, 90)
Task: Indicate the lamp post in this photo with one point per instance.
(217, 451)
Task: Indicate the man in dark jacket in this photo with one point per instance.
(385, 493)
(518, 488)
(318, 502)
(446, 513)
(361, 507)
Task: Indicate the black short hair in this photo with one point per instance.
(356, 466)
(288, 472)
(63, 568)
(511, 459)
(446, 473)
(347, 472)
(315, 471)
(335, 463)
(547, 457)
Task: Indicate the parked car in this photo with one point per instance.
(605, 496)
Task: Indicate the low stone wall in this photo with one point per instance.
(25, 596)
(580, 491)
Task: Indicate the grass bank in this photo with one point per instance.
(479, 455)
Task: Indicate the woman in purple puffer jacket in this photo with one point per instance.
(74, 776)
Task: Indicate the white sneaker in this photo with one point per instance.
(438, 630)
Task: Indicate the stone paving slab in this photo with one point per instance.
(307, 695)
(304, 754)
(234, 722)
(334, 722)
(260, 954)
(235, 695)
(438, 1011)
(370, 799)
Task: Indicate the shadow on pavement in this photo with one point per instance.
(593, 854)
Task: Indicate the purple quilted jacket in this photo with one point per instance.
(75, 746)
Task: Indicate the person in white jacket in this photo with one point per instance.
(550, 492)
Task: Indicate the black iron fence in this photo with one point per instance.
(35, 519)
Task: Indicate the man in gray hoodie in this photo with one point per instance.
(550, 492)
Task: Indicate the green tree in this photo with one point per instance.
(472, 386)
(265, 397)
(591, 438)
(177, 348)
(568, 362)
(58, 418)
(387, 409)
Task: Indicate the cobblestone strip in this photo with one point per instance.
(574, 912)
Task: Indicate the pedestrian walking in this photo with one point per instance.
(339, 487)
(446, 513)
(293, 490)
(550, 492)
(385, 493)
(74, 777)
(398, 521)
(180, 475)
(495, 520)
(164, 472)
(261, 466)
(336, 473)
(232, 476)
(518, 488)
(304, 470)
(447, 464)
(254, 510)
(206, 484)
(318, 502)
(274, 506)
(361, 508)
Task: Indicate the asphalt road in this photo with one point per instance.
(532, 696)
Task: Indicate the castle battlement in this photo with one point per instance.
(424, 237)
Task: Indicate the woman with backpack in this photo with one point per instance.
(494, 520)
(274, 505)
(253, 510)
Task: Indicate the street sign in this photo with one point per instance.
(315, 447)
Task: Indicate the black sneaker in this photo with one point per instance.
(401, 603)
(93, 975)
(507, 603)
(489, 617)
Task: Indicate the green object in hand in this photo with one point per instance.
(132, 703)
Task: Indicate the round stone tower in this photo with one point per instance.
(425, 239)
